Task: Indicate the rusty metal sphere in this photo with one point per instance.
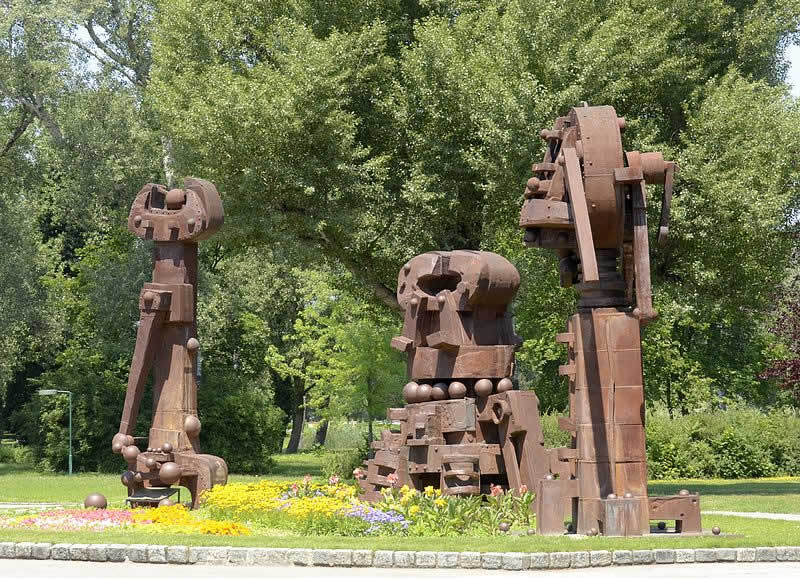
(593, 532)
(716, 530)
(484, 387)
(662, 525)
(192, 425)
(166, 447)
(505, 384)
(137, 477)
(137, 221)
(424, 392)
(117, 447)
(170, 472)
(127, 478)
(166, 502)
(130, 453)
(549, 477)
(414, 301)
(190, 222)
(192, 345)
(148, 297)
(129, 441)
(683, 493)
(97, 501)
(570, 528)
(628, 495)
(150, 463)
(410, 392)
(504, 526)
(439, 391)
(441, 299)
(533, 184)
(611, 497)
(457, 390)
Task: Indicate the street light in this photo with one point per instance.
(54, 392)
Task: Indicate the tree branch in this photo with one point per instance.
(113, 64)
(24, 121)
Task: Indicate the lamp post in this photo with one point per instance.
(54, 392)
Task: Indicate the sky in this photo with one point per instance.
(793, 78)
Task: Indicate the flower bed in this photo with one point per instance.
(307, 508)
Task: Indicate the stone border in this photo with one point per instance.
(155, 554)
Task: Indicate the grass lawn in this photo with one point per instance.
(782, 495)
(22, 484)
(739, 532)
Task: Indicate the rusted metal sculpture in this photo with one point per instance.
(464, 427)
(587, 201)
(166, 341)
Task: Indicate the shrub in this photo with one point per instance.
(14, 453)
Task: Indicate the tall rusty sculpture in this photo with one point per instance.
(464, 426)
(587, 201)
(166, 341)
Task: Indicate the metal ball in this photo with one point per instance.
(130, 453)
(192, 425)
(192, 345)
(716, 530)
(150, 463)
(533, 184)
(166, 502)
(170, 473)
(593, 532)
(414, 301)
(504, 526)
(407, 267)
(683, 493)
(484, 387)
(439, 391)
(127, 478)
(424, 392)
(137, 221)
(544, 132)
(662, 525)
(410, 392)
(137, 477)
(531, 531)
(148, 297)
(570, 528)
(166, 447)
(97, 501)
(611, 497)
(628, 495)
(117, 448)
(505, 384)
(457, 390)
(190, 222)
(441, 299)
(549, 477)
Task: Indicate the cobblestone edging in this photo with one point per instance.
(152, 554)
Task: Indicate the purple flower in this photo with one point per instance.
(377, 519)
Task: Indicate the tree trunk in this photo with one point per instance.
(322, 433)
(298, 418)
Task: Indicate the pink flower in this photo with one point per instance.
(393, 479)
(496, 490)
(333, 480)
(523, 489)
(295, 488)
(359, 474)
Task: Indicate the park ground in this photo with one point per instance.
(19, 484)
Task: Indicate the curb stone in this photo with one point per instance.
(343, 558)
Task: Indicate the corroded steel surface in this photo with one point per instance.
(587, 201)
(166, 342)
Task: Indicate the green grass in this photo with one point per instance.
(740, 533)
(774, 495)
(22, 484)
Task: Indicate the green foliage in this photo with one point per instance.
(730, 444)
(14, 453)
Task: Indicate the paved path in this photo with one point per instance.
(28, 568)
(15, 506)
(763, 515)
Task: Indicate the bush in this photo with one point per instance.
(741, 443)
(14, 453)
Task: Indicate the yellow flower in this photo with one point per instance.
(429, 491)
(405, 499)
(437, 492)
(405, 489)
(414, 510)
(440, 502)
